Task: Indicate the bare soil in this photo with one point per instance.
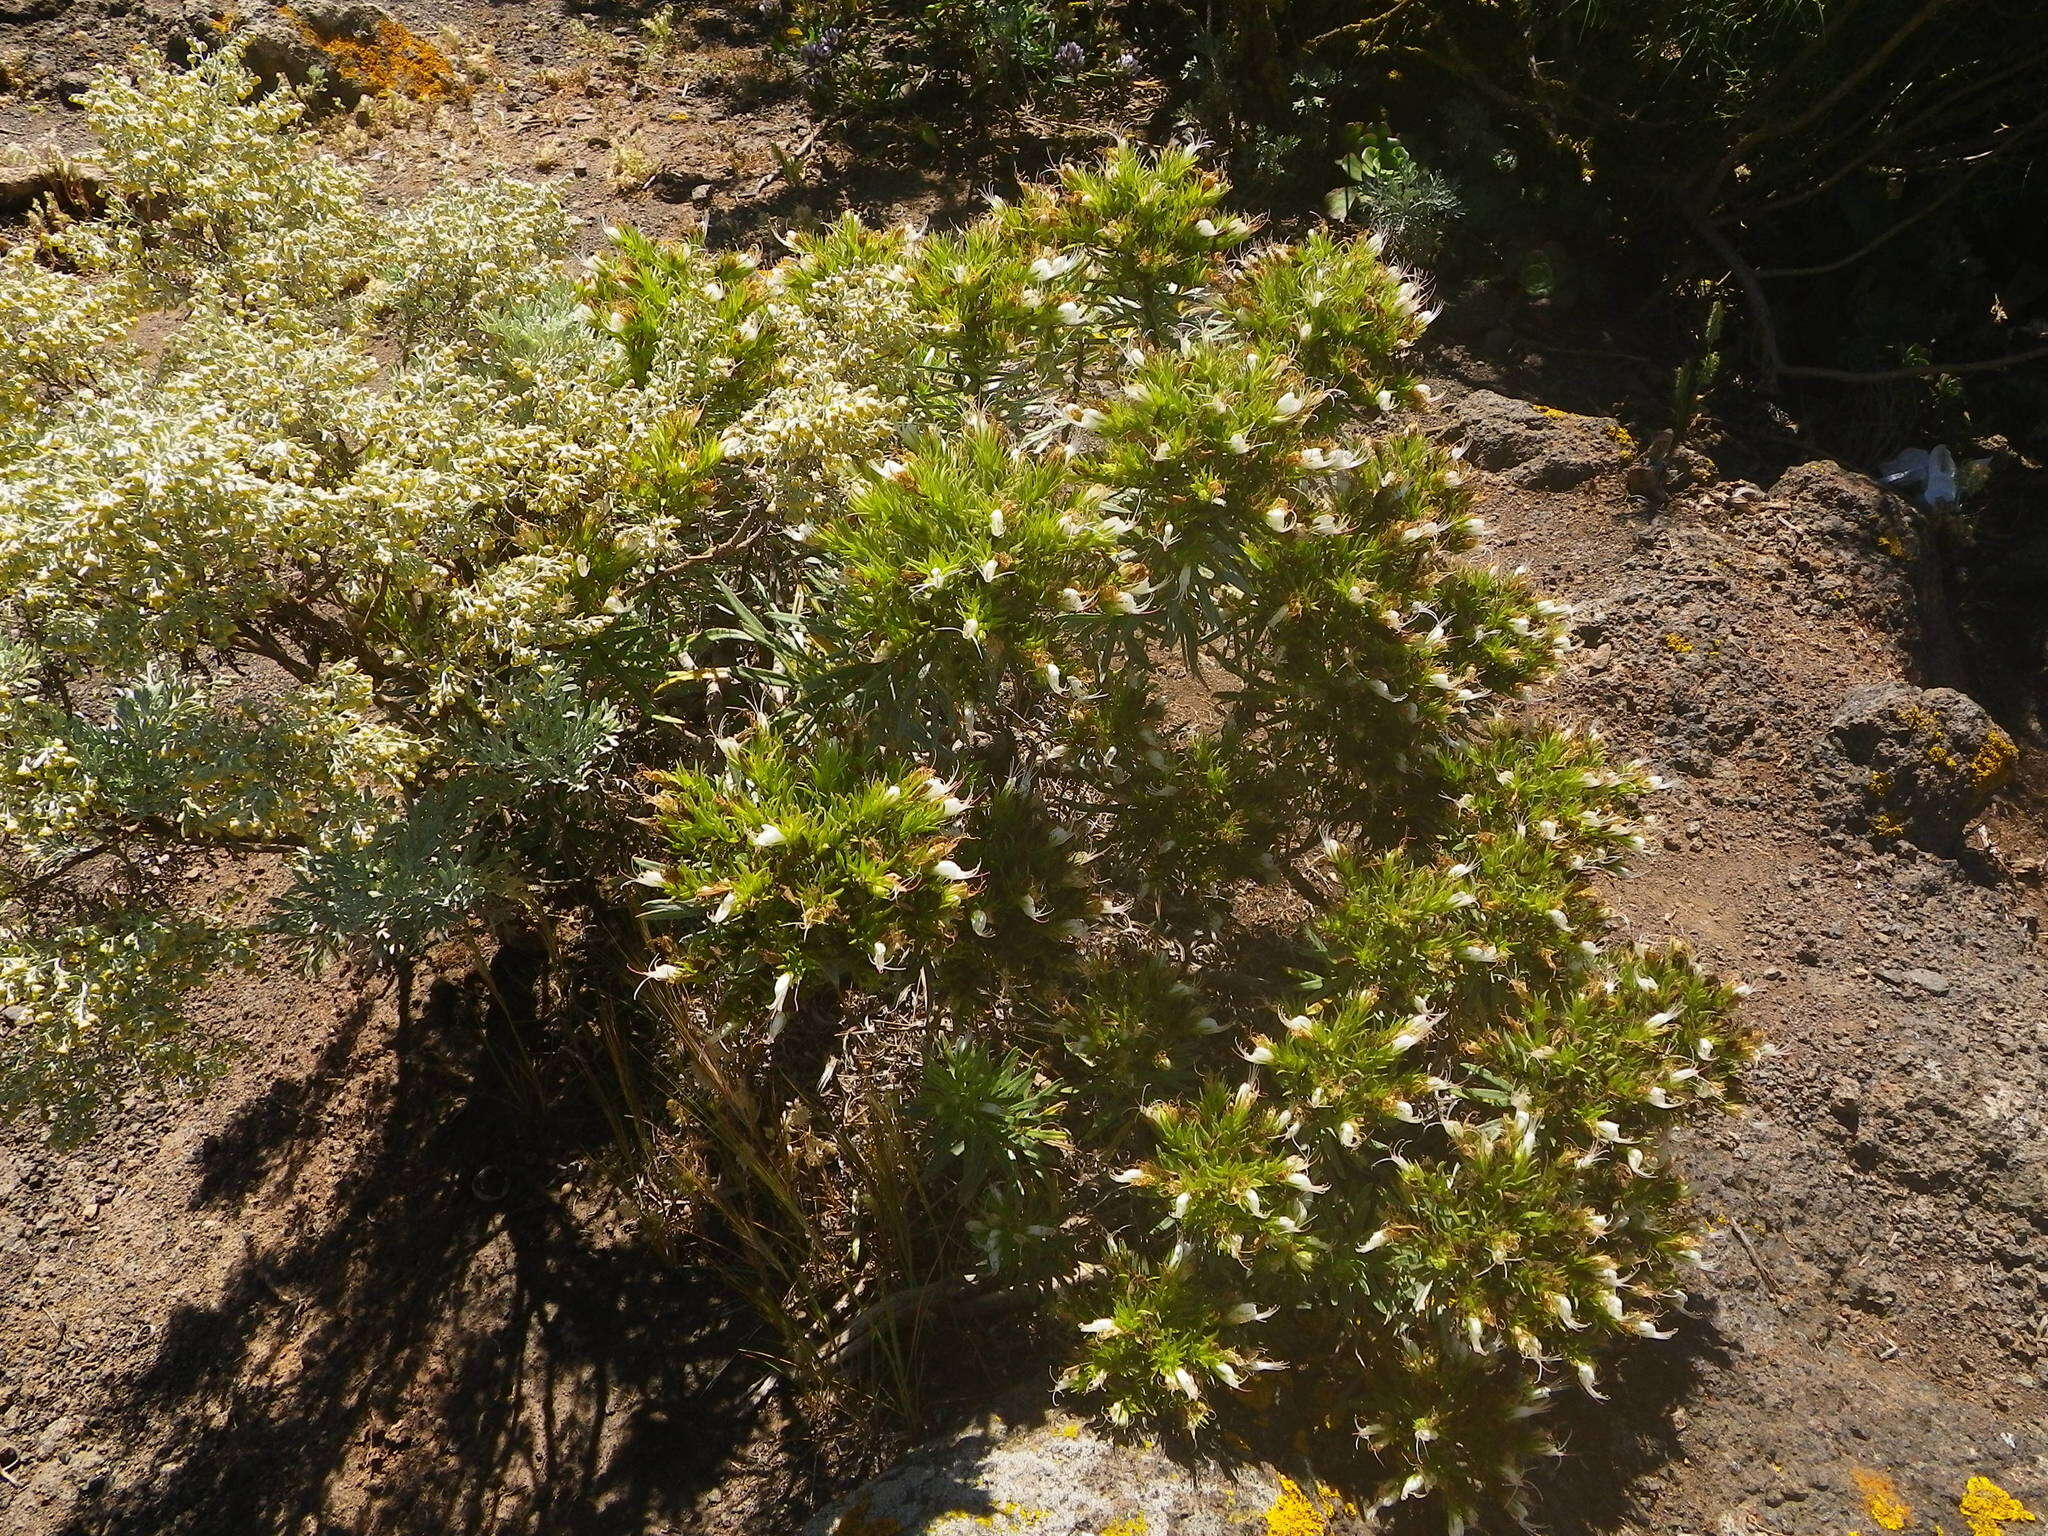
(369, 1281)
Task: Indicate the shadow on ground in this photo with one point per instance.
(438, 1347)
(1612, 1450)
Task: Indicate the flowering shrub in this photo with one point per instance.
(954, 651)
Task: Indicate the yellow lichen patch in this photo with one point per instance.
(1293, 1513)
(1993, 761)
(393, 59)
(1988, 1508)
(1885, 824)
(1136, 1525)
(1620, 434)
(1678, 645)
(1004, 1517)
(1881, 1498)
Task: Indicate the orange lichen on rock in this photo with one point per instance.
(385, 57)
(1881, 1498)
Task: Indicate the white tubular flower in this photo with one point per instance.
(1413, 1032)
(1585, 1373)
(652, 878)
(1185, 1382)
(1379, 1239)
(770, 836)
(784, 984)
(946, 869)
(979, 922)
(663, 972)
(1072, 600)
(1288, 406)
(1249, 1312)
(1280, 517)
(724, 908)
(1106, 1326)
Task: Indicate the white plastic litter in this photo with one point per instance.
(1929, 476)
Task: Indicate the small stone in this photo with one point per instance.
(1845, 1101)
(1931, 982)
(52, 1438)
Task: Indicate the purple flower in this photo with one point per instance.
(823, 46)
(1069, 56)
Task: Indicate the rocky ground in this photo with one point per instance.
(1876, 1278)
(360, 1285)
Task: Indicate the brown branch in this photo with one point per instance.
(1765, 132)
(1865, 249)
(1357, 28)
(1924, 371)
(1752, 291)
(748, 531)
(35, 883)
